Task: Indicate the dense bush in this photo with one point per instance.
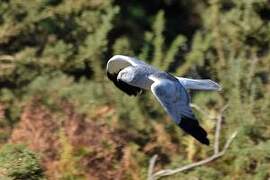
(17, 162)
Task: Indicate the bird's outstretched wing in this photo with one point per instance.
(115, 65)
(175, 100)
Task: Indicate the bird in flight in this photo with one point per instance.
(134, 76)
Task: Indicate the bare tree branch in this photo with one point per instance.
(151, 167)
(218, 129)
(168, 172)
(199, 109)
(6, 63)
(6, 58)
(254, 62)
(217, 153)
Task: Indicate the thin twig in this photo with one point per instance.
(151, 167)
(199, 109)
(6, 58)
(218, 129)
(229, 141)
(254, 62)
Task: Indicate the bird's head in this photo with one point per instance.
(126, 75)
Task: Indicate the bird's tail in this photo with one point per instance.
(199, 84)
(192, 127)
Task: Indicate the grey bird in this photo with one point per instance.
(134, 76)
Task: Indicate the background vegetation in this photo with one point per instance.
(73, 123)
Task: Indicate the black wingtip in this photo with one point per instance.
(205, 141)
(192, 127)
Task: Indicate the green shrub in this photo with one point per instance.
(17, 162)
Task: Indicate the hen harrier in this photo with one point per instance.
(134, 76)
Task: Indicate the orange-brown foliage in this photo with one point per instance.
(39, 129)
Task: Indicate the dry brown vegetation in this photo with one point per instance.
(40, 128)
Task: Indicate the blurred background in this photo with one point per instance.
(61, 118)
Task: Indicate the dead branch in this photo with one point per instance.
(151, 166)
(218, 129)
(199, 109)
(6, 58)
(217, 153)
(6, 63)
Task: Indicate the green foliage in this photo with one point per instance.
(158, 38)
(95, 44)
(122, 45)
(17, 162)
(86, 95)
(68, 164)
(56, 50)
(154, 49)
